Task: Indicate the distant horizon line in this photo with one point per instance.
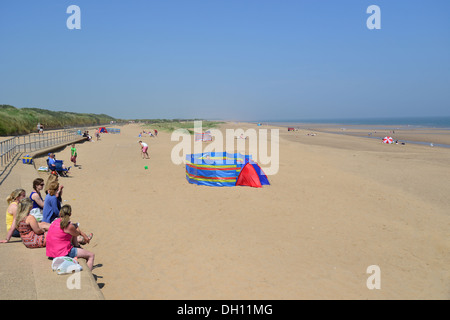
(416, 121)
(334, 118)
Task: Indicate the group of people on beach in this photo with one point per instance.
(153, 135)
(42, 221)
(144, 146)
(88, 137)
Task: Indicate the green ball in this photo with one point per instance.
(145, 167)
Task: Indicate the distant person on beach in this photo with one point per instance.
(36, 198)
(13, 201)
(73, 154)
(32, 232)
(144, 150)
(52, 204)
(63, 236)
(156, 132)
(97, 134)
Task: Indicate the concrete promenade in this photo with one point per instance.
(26, 273)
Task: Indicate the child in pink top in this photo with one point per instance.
(62, 239)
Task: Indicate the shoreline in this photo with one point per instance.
(426, 136)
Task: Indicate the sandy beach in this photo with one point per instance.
(400, 133)
(337, 205)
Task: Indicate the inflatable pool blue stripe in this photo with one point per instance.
(218, 182)
(192, 170)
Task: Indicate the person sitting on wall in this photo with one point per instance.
(87, 136)
(51, 161)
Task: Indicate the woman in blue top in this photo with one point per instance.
(36, 197)
(52, 204)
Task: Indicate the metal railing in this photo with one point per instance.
(28, 143)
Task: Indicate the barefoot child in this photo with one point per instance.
(73, 154)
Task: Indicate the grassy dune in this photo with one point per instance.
(15, 121)
(171, 125)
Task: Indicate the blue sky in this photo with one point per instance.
(227, 59)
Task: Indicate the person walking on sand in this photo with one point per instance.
(144, 150)
(73, 155)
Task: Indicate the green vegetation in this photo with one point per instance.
(15, 121)
(172, 125)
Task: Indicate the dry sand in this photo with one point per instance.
(337, 205)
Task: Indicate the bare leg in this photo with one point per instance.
(89, 256)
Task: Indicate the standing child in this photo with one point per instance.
(73, 154)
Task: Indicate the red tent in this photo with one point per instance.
(252, 175)
(103, 130)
